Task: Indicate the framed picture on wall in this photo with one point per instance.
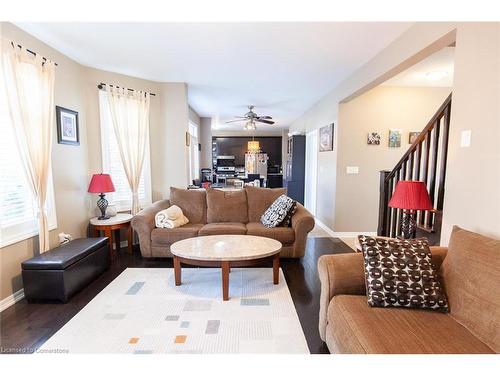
(395, 138)
(326, 138)
(67, 126)
(412, 137)
(373, 139)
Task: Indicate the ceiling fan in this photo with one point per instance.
(251, 118)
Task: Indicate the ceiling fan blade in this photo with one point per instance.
(266, 117)
(265, 121)
(243, 119)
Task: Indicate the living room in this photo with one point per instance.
(151, 204)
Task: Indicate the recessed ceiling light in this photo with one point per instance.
(436, 75)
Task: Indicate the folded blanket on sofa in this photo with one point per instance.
(172, 217)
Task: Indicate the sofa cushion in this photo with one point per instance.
(222, 228)
(164, 236)
(285, 235)
(192, 202)
(279, 213)
(259, 200)
(400, 273)
(471, 273)
(354, 327)
(227, 206)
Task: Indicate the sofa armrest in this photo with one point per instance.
(438, 255)
(144, 223)
(339, 274)
(302, 223)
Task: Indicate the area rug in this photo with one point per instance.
(143, 312)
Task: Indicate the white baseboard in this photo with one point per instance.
(323, 226)
(354, 234)
(341, 234)
(12, 299)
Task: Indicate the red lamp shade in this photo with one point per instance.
(411, 195)
(101, 183)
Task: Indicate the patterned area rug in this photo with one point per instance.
(143, 312)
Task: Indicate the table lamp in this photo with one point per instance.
(101, 183)
(410, 196)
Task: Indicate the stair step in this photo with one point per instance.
(426, 228)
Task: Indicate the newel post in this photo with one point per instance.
(382, 229)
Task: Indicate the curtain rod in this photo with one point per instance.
(30, 51)
(101, 85)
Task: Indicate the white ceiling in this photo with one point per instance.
(434, 71)
(281, 68)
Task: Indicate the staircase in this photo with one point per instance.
(424, 161)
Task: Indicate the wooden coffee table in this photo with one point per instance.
(226, 251)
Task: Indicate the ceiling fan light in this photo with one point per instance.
(250, 125)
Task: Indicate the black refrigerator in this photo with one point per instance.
(295, 167)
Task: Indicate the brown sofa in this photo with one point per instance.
(470, 272)
(221, 212)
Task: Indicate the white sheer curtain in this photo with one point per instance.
(130, 115)
(30, 92)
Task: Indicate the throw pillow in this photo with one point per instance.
(278, 212)
(400, 273)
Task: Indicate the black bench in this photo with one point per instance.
(61, 272)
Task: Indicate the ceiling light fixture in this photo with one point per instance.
(250, 125)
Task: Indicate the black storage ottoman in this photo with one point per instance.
(59, 273)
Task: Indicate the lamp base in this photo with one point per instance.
(408, 225)
(102, 203)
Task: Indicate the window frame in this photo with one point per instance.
(193, 172)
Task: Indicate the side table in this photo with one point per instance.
(113, 224)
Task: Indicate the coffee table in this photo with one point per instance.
(226, 251)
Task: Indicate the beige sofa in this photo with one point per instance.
(214, 212)
(470, 271)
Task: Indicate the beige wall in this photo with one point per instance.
(472, 197)
(170, 140)
(378, 110)
(76, 89)
(473, 173)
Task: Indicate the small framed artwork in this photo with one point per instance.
(373, 139)
(67, 126)
(412, 137)
(326, 138)
(395, 138)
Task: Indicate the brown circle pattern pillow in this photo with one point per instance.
(400, 273)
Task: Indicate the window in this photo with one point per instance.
(194, 153)
(18, 209)
(112, 163)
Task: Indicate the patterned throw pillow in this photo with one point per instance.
(400, 273)
(280, 212)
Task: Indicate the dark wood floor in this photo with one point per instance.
(25, 327)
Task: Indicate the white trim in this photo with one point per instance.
(341, 234)
(354, 234)
(12, 299)
(323, 226)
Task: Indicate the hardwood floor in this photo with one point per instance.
(25, 327)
